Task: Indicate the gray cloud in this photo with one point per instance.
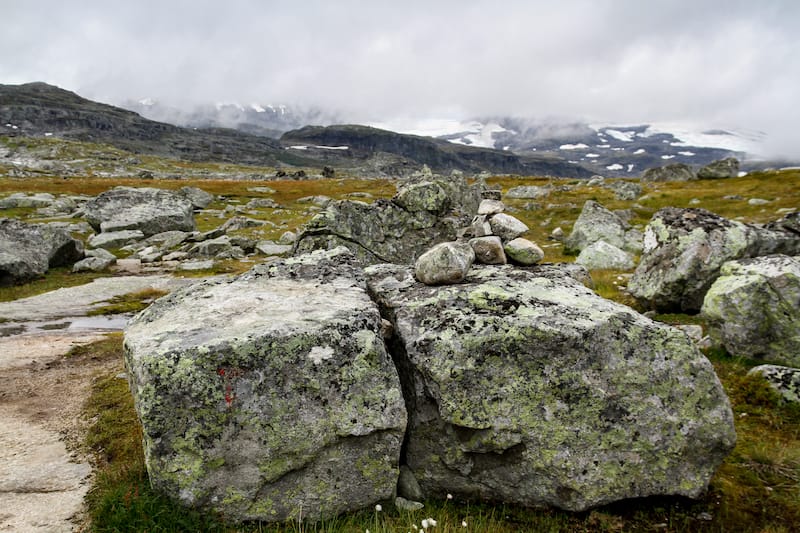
(715, 63)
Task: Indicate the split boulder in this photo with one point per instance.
(145, 209)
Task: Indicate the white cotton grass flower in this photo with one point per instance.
(449, 496)
(424, 523)
(463, 523)
(378, 507)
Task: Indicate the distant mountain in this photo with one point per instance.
(36, 109)
(367, 143)
(604, 149)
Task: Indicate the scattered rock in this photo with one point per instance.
(93, 264)
(425, 196)
(199, 198)
(115, 239)
(507, 227)
(595, 180)
(528, 192)
(596, 223)
(480, 226)
(261, 203)
(533, 390)
(624, 190)
(237, 223)
(204, 264)
(269, 396)
(288, 237)
(672, 172)
(271, 248)
(445, 263)
(600, 255)
(145, 209)
(757, 201)
(684, 250)
(783, 380)
(130, 265)
(491, 207)
(724, 168)
(523, 252)
(753, 308)
(488, 250)
(211, 247)
(557, 235)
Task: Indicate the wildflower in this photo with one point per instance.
(449, 496)
(463, 523)
(432, 522)
(378, 508)
(424, 523)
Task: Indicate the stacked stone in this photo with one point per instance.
(496, 239)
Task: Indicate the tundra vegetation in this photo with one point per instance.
(756, 489)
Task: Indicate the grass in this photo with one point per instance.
(132, 302)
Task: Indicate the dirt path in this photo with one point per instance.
(43, 476)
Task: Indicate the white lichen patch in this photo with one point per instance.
(319, 354)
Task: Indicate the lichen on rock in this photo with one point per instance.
(269, 396)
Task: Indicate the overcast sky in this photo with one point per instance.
(715, 63)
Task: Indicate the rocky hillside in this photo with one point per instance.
(39, 110)
(363, 142)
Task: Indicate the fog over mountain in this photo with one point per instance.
(729, 65)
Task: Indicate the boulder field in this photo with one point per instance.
(305, 387)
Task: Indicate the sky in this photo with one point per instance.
(724, 64)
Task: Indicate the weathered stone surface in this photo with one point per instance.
(684, 250)
(753, 308)
(145, 209)
(115, 239)
(783, 380)
(445, 263)
(235, 223)
(624, 190)
(19, 199)
(199, 198)
(384, 231)
(24, 254)
(724, 168)
(527, 192)
(533, 390)
(601, 255)
(672, 172)
(596, 223)
(269, 396)
(425, 196)
(491, 207)
(480, 226)
(407, 485)
(63, 248)
(271, 248)
(507, 227)
(211, 247)
(523, 251)
(488, 250)
(93, 264)
(261, 203)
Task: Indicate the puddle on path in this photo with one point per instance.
(68, 324)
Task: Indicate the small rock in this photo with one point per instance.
(507, 227)
(93, 264)
(197, 265)
(480, 226)
(491, 207)
(558, 235)
(595, 180)
(600, 255)
(445, 263)
(488, 250)
(287, 238)
(407, 505)
(115, 239)
(523, 251)
(133, 266)
(757, 201)
(528, 192)
(783, 379)
(271, 248)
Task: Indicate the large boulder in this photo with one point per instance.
(269, 396)
(199, 198)
(597, 223)
(601, 255)
(422, 214)
(23, 252)
(724, 168)
(28, 250)
(526, 387)
(684, 250)
(753, 308)
(145, 209)
(671, 172)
